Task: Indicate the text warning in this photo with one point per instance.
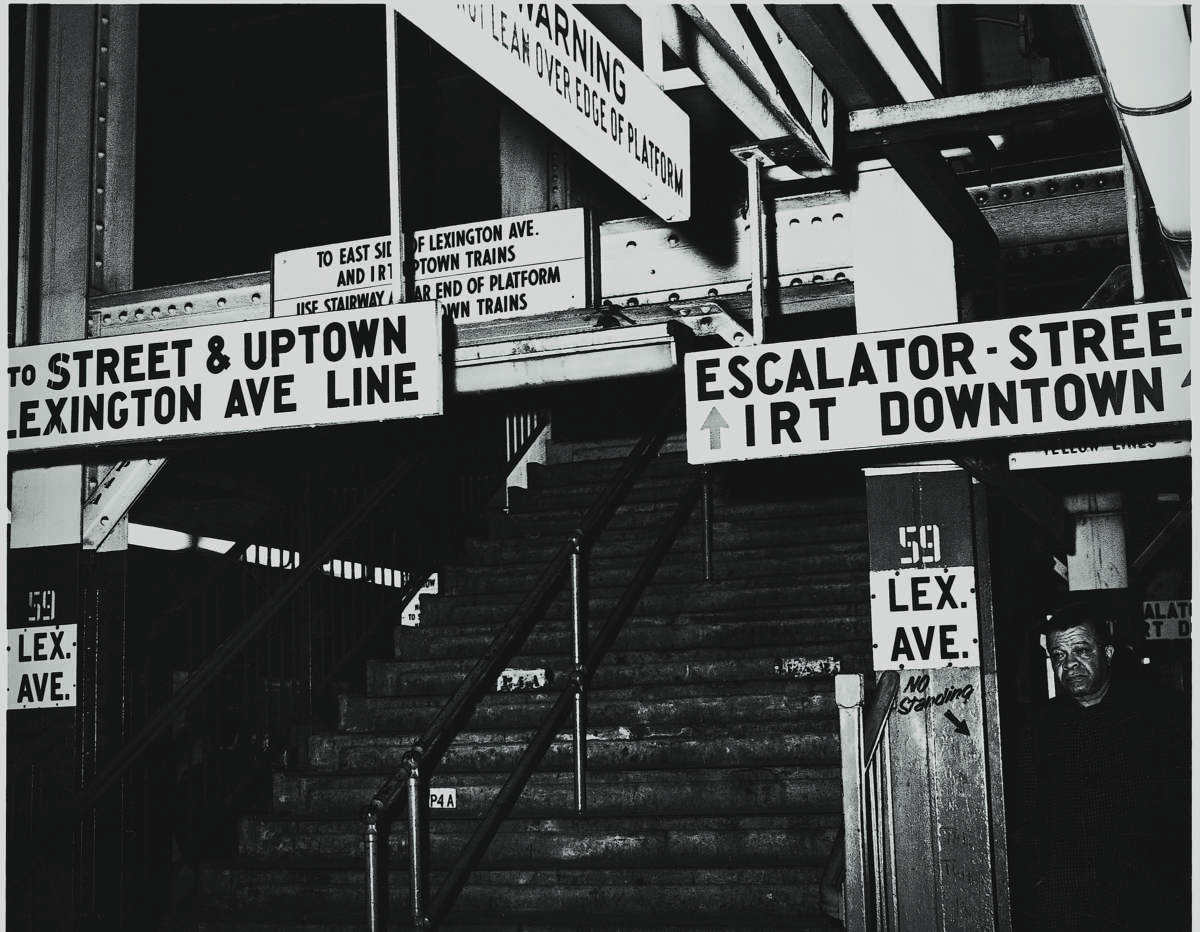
(41, 667)
(924, 618)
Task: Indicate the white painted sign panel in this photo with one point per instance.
(552, 62)
(1116, 367)
(368, 364)
(924, 618)
(41, 667)
(337, 277)
(507, 267)
(1101, 453)
(1168, 620)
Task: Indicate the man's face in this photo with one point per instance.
(1080, 663)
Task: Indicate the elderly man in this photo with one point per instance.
(1111, 791)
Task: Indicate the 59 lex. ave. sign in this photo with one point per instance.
(1117, 367)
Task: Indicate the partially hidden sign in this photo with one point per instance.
(924, 604)
(338, 277)
(508, 267)
(41, 667)
(1168, 620)
(555, 64)
(361, 365)
(1116, 367)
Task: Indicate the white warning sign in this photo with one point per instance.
(512, 266)
(41, 667)
(924, 618)
(337, 277)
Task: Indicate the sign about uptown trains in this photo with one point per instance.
(557, 66)
(1084, 370)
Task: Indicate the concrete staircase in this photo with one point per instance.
(713, 781)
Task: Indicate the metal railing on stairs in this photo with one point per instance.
(856, 887)
(279, 633)
(424, 755)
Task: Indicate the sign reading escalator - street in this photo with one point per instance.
(365, 364)
(1084, 370)
(552, 61)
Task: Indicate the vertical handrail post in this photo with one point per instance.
(416, 861)
(372, 843)
(707, 539)
(849, 692)
(578, 622)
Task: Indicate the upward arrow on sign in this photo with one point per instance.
(714, 424)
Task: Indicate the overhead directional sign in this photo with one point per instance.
(554, 63)
(510, 266)
(337, 277)
(1117, 367)
(361, 365)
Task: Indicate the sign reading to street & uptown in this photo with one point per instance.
(366, 364)
(1117, 367)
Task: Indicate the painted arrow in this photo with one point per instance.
(959, 725)
(714, 424)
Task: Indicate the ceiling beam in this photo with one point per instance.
(967, 114)
(858, 81)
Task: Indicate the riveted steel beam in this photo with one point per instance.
(114, 121)
(194, 304)
(968, 114)
(707, 319)
(856, 78)
(108, 503)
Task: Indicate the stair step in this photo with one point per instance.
(730, 540)
(826, 591)
(650, 649)
(678, 566)
(799, 787)
(781, 701)
(692, 840)
(551, 476)
(597, 892)
(831, 517)
(610, 747)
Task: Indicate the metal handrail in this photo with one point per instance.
(502, 805)
(425, 753)
(231, 647)
(874, 723)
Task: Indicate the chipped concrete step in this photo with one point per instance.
(780, 891)
(796, 787)
(610, 747)
(439, 678)
(570, 841)
(793, 562)
(781, 701)
(431, 661)
(657, 649)
(827, 590)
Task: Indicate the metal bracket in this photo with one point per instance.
(113, 496)
(1044, 509)
(709, 319)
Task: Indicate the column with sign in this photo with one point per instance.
(925, 624)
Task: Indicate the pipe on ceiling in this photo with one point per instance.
(1142, 55)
